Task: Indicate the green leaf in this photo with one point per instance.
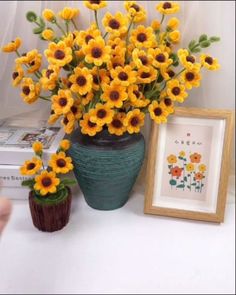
(68, 182)
(192, 44)
(38, 30)
(193, 184)
(203, 37)
(185, 178)
(175, 64)
(196, 50)
(214, 39)
(42, 22)
(205, 44)
(31, 16)
(197, 187)
(173, 182)
(180, 186)
(189, 187)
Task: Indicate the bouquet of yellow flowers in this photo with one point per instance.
(111, 77)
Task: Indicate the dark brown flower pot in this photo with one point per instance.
(50, 217)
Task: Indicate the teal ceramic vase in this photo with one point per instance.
(106, 167)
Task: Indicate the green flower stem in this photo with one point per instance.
(60, 28)
(162, 19)
(18, 53)
(96, 18)
(99, 81)
(104, 36)
(67, 27)
(74, 24)
(127, 37)
(44, 98)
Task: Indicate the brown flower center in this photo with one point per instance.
(176, 90)
(114, 24)
(88, 38)
(123, 76)
(171, 73)
(191, 59)
(95, 2)
(136, 7)
(144, 60)
(158, 111)
(167, 102)
(145, 75)
(61, 163)
(136, 93)
(26, 90)
(32, 63)
(96, 52)
(116, 64)
(31, 166)
(46, 181)
(62, 101)
(167, 5)
(69, 84)
(81, 81)
(161, 57)
(59, 54)
(142, 37)
(74, 109)
(101, 114)
(65, 121)
(134, 121)
(91, 124)
(117, 123)
(209, 60)
(15, 75)
(48, 73)
(189, 76)
(114, 95)
(95, 79)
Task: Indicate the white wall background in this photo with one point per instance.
(197, 17)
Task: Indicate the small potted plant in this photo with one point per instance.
(50, 196)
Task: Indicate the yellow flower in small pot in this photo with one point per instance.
(209, 62)
(141, 59)
(62, 102)
(100, 78)
(191, 77)
(146, 75)
(68, 123)
(143, 37)
(159, 58)
(173, 23)
(172, 159)
(32, 59)
(50, 77)
(174, 36)
(115, 25)
(168, 7)
(60, 163)
(101, 115)
(158, 112)
(186, 59)
(48, 15)
(114, 95)
(81, 81)
(134, 121)
(88, 127)
(95, 4)
(31, 167)
(202, 168)
(30, 90)
(124, 76)
(117, 125)
(68, 13)
(84, 37)
(48, 34)
(17, 75)
(46, 182)
(190, 167)
(58, 54)
(12, 46)
(97, 52)
(135, 11)
(65, 144)
(176, 91)
(167, 73)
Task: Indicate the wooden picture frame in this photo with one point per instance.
(153, 193)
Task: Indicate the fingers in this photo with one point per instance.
(5, 212)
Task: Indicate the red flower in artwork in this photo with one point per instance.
(176, 171)
(195, 158)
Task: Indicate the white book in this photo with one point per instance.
(16, 141)
(14, 193)
(10, 176)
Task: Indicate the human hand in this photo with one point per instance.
(5, 212)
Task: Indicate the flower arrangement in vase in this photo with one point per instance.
(106, 81)
(49, 197)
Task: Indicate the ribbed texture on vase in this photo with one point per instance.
(107, 176)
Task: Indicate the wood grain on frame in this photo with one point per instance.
(218, 216)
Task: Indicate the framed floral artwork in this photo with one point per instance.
(188, 165)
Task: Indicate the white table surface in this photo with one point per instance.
(122, 251)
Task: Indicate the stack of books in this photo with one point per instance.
(16, 138)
